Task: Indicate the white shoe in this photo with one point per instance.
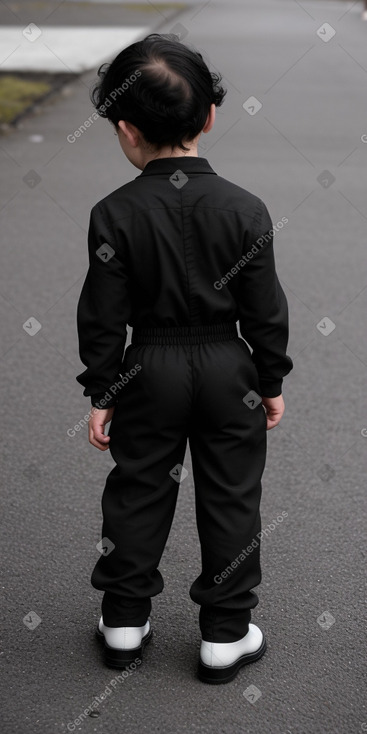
(219, 662)
(123, 645)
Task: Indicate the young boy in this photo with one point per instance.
(181, 255)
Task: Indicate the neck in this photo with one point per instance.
(167, 152)
(176, 153)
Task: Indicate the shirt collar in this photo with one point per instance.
(187, 164)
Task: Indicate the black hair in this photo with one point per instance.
(162, 87)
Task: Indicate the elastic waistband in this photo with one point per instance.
(185, 334)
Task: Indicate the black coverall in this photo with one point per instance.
(173, 253)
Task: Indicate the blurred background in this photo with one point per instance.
(292, 130)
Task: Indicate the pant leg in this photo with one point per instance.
(228, 449)
(148, 439)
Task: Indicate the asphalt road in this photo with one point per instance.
(304, 152)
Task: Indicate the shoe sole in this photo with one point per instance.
(224, 674)
(116, 658)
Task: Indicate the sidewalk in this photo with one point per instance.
(293, 130)
(73, 36)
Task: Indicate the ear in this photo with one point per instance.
(210, 119)
(130, 132)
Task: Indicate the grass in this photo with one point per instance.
(16, 95)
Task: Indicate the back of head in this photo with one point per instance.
(162, 87)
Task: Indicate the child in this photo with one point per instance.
(181, 255)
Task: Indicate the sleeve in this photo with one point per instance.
(102, 314)
(263, 308)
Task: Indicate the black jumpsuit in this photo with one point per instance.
(182, 255)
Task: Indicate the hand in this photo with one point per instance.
(274, 408)
(97, 422)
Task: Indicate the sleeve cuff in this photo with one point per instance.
(271, 388)
(103, 400)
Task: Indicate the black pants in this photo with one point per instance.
(191, 385)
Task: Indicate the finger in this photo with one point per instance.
(101, 438)
(272, 422)
(99, 445)
(97, 442)
(98, 431)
